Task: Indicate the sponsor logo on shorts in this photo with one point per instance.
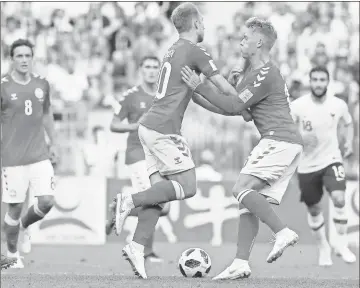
(177, 160)
(246, 95)
(12, 193)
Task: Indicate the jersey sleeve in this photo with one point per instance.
(294, 108)
(47, 101)
(256, 90)
(122, 109)
(345, 114)
(202, 62)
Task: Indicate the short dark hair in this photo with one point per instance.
(149, 57)
(21, 42)
(320, 69)
(265, 28)
(182, 16)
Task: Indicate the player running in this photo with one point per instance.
(136, 102)
(168, 157)
(25, 116)
(271, 164)
(318, 116)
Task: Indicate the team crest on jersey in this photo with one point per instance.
(39, 93)
(142, 105)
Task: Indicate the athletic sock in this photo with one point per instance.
(147, 219)
(317, 225)
(248, 230)
(33, 215)
(160, 192)
(149, 245)
(260, 207)
(340, 221)
(12, 228)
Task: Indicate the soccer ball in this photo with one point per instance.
(194, 262)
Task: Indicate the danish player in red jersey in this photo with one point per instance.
(25, 116)
(168, 157)
(271, 164)
(135, 103)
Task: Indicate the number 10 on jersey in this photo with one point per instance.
(163, 81)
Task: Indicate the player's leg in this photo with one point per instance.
(334, 182)
(140, 182)
(247, 231)
(268, 171)
(165, 156)
(169, 155)
(311, 189)
(42, 186)
(14, 187)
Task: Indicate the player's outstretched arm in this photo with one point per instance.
(118, 126)
(198, 99)
(229, 104)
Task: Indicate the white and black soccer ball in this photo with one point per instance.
(194, 262)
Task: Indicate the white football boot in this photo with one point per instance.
(325, 255)
(238, 269)
(19, 263)
(346, 254)
(122, 212)
(136, 260)
(283, 239)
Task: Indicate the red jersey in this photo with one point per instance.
(135, 103)
(173, 96)
(22, 130)
(265, 92)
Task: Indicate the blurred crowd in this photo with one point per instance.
(90, 52)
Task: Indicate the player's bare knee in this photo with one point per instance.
(314, 210)
(247, 182)
(14, 210)
(338, 198)
(45, 203)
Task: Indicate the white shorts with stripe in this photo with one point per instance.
(274, 162)
(17, 180)
(139, 177)
(168, 154)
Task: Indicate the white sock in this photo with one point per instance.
(13, 255)
(317, 225)
(238, 261)
(340, 220)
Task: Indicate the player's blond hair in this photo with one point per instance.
(182, 16)
(265, 28)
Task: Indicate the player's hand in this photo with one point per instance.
(348, 151)
(246, 115)
(234, 76)
(54, 154)
(190, 78)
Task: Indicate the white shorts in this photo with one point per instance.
(168, 154)
(17, 180)
(139, 177)
(274, 162)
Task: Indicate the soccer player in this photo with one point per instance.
(25, 116)
(168, 158)
(318, 116)
(271, 164)
(7, 262)
(135, 103)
